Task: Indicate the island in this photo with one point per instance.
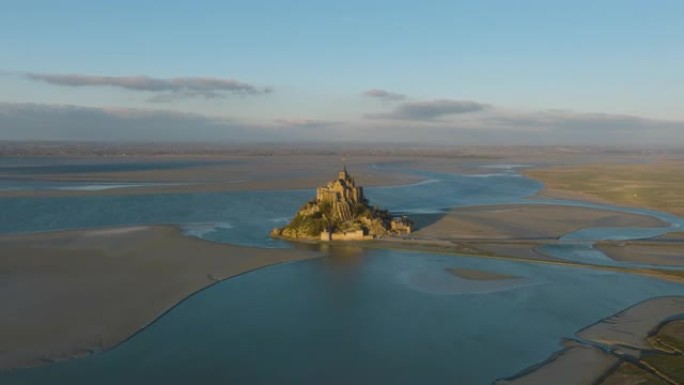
(340, 212)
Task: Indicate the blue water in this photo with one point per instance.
(27, 167)
(31, 185)
(45, 173)
(250, 214)
(355, 319)
(356, 316)
(242, 217)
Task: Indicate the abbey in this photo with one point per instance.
(341, 212)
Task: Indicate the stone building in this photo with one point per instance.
(342, 195)
(341, 212)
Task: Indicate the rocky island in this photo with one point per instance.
(341, 212)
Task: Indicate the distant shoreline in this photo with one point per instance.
(254, 173)
(643, 185)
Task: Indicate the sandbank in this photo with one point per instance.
(575, 365)
(628, 373)
(631, 327)
(651, 252)
(70, 293)
(669, 337)
(479, 275)
(527, 222)
(519, 251)
(655, 185)
(626, 348)
(237, 173)
(518, 231)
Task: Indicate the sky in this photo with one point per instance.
(447, 72)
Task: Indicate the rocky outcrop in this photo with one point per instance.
(341, 212)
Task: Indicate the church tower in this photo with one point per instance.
(343, 175)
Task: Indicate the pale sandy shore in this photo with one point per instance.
(527, 222)
(657, 252)
(615, 350)
(479, 275)
(69, 293)
(575, 365)
(655, 185)
(521, 251)
(280, 170)
(631, 327)
(518, 231)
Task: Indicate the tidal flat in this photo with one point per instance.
(656, 185)
(74, 292)
(114, 260)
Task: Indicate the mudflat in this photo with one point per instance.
(575, 365)
(479, 275)
(638, 345)
(657, 185)
(632, 327)
(527, 222)
(217, 174)
(70, 293)
(656, 252)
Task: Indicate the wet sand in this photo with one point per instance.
(70, 293)
(655, 185)
(632, 327)
(621, 349)
(652, 252)
(575, 365)
(262, 169)
(479, 275)
(527, 222)
(238, 173)
(518, 231)
(521, 250)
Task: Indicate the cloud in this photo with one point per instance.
(169, 89)
(578, 121)
(27, 121)
(173, 96)
(305, 123)
(494, 126)
(384, 95)
(430, 110)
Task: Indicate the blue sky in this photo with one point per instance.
(574, 71)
